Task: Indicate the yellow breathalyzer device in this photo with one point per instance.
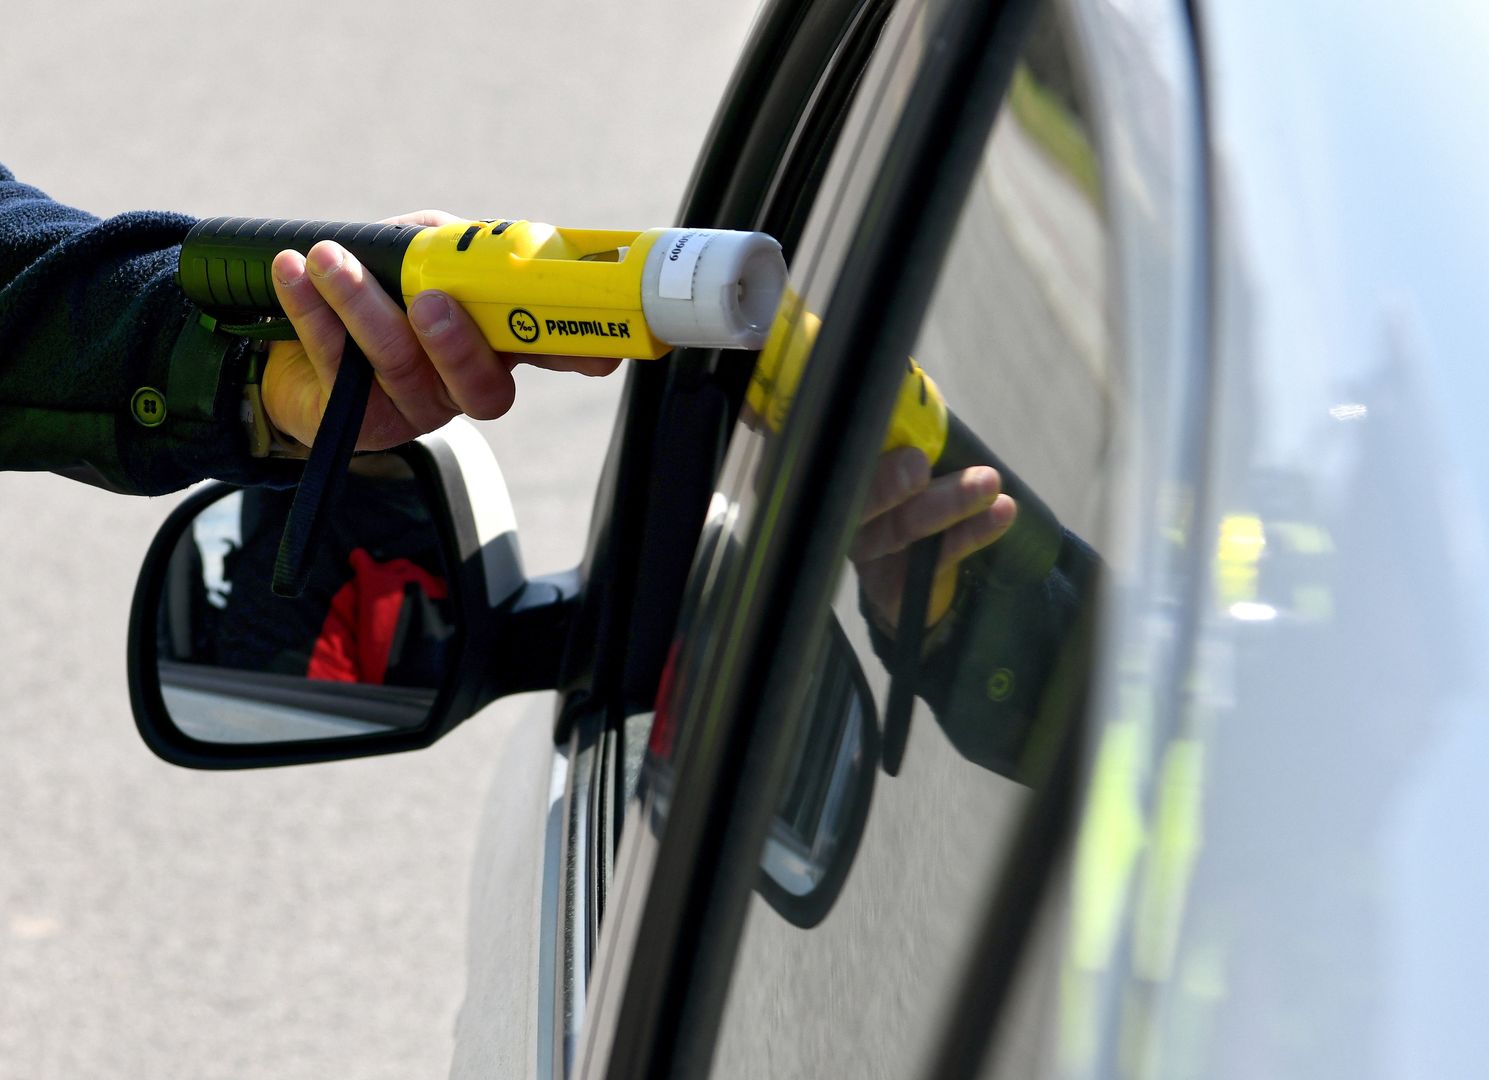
(530, 287)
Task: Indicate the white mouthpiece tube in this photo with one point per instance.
(712, 288)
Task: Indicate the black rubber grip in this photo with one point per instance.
(225, 262)
(1027, 552)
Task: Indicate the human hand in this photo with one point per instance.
(905, 505)
(430, 363)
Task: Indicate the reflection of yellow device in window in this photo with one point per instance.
(920, 415)
(531, 288)
(1025, 554)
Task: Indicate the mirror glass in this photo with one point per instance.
(366, 647)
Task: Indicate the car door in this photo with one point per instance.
(760, 167)
(1015, 199)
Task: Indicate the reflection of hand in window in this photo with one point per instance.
(986, 666)
(989, 663)
(905, 505)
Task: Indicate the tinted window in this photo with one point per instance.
(961, 721)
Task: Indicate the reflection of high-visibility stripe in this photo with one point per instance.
(1301, 538)
(1129, 867)
(1176, 844)
(1111, 837)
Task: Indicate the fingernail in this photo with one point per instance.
(430, 313)
(324, 259)
(289, 271)
(989, 484)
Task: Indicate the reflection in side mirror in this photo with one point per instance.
(417, 613)
(365, 649)
(815, 833)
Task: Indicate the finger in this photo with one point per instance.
(900, 474)
(971, 535)
(963, 539)
(293, 394)
(380, 327)
(422, 217)
(946, 501)
(320, 331)
(478, 381)
(296, 390)
(882, 581)
(585, 365)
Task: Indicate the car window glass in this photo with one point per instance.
(814, 270)
(1015, 341)
(823, 247)
(890, 62)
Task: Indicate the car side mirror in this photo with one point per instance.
(416, 614)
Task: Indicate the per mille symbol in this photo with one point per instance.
(523, 324)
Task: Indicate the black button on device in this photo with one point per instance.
(470, 234)
(501, 227)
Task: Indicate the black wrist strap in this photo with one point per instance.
(325, 471)
(206, 368)
(201, 390)
(915, 601)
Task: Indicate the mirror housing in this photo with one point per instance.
(480, 628)
(824, 807)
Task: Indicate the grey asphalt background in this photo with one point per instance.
(306, 922)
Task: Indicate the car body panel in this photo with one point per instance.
(506, 1019)
(1310, 900)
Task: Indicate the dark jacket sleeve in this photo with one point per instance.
(89, 317)
(1000, 672)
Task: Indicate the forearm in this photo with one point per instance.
(89, 316)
